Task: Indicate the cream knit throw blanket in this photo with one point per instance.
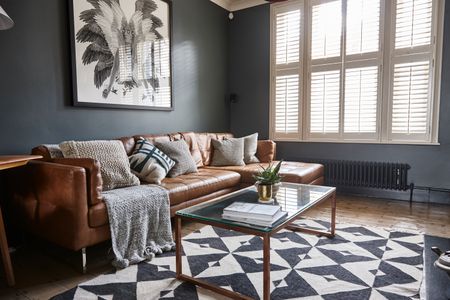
(139, 219)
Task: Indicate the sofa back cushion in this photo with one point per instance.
(128, 143)
(205, 144)
(199, 144)
(266, 151)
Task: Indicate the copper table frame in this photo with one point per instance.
(266, 245)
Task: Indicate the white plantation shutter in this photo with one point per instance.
(286, 104)
(361, 100)
(326, 29)
(288, 37)
(361, 95)
(325, 77)
(363, 26)
(413, 23)
(325, 91)
(412, 71)
(356, 70)
(410, 98)
(287, 80)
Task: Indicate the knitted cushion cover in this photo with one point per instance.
(113, 159)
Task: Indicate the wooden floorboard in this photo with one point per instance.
(43, 270)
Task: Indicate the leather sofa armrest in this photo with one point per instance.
(50, 200)
(94, 180)
(266, 151)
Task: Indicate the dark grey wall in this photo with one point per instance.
(249, 70)
(249, 79)
(35, 78)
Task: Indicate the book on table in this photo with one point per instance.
(251, 213)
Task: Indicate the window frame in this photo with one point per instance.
(385, 57)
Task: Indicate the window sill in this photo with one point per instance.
(416, 143)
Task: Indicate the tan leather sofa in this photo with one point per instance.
(60, 199)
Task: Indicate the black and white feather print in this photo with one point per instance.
(122, 48)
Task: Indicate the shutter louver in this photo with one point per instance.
(410, 98)
(413, 23)
(286, 104)
(361, 99)
(288, 37)
(363, 26)
(326, 30)
(325, 95)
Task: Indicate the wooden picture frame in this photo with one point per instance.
(122, 66)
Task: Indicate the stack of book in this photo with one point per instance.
(255, 214)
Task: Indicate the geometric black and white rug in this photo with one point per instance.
(359, 263)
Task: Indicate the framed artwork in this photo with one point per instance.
(121, 53)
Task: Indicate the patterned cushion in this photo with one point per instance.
(114, 164)
(179, 152)
(149, 163)
(228, 152)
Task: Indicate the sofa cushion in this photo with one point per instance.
(266, 151)
(191, 140)
(206, 181)
(296, 172)
(149, 163)
(228, 152)
(250, 148)
(179, 152)
(128, 143)
(113, 159)
(182, 189)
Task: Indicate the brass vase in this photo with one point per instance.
(264, 192)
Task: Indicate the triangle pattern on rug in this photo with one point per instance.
(359, 263)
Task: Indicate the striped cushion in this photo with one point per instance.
(149, 163)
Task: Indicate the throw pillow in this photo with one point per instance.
(250, 146)
(149, 163)
(113, 159)
(228, 152)
(179, 152)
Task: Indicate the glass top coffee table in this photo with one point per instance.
(293, 198)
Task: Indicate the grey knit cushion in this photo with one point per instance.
(179, 152)
(228, 152)
(114, 164)
(250, 146)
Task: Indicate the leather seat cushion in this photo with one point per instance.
(296, 172)
(181, 189)
(206, 181)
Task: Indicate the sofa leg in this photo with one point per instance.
(83, 260)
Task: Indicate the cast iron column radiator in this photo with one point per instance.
(380, 175)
